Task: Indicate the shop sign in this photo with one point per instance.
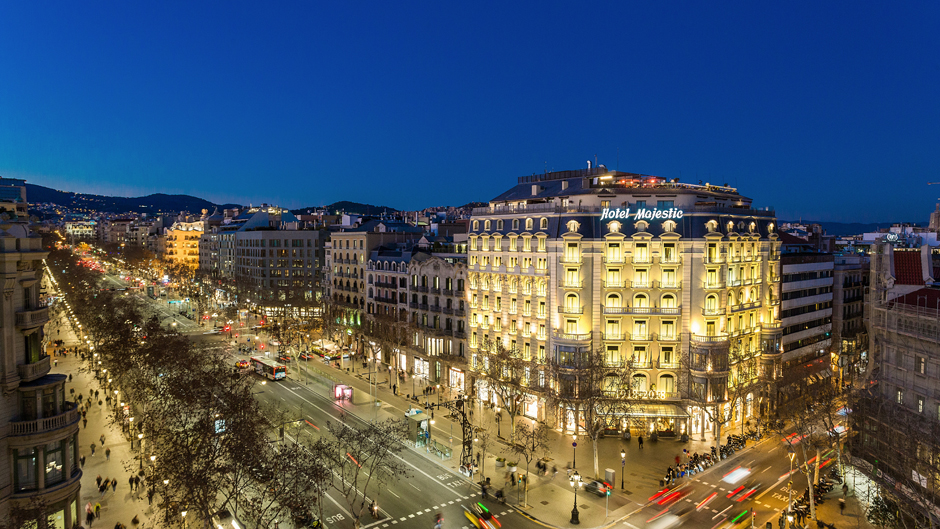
(642, 213)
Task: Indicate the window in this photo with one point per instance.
(641, 278)
(571, 326)
(541, 244)
(920, 364)
(571, 303)
(528, 224)
(668, 330)
(25, 463)
(515, 224)
(640, 204)
(667, 358)
(920, 404)
(641, 301)
(665, 204)
(899, 396)
(543, 224)
(641, 253)
(499, 224)
(613, 300)
(669, 252)
(486, 225)
(613, 355)
(613, 252)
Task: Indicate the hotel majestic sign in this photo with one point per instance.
(642, 214)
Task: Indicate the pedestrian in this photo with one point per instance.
(842, 506)
(677, 458)
(97, 510)
(70, 377)
(101, 439)
(845, 490)
(137, 483)
(130, 482)
(483, 491)
(96, 393)
(108, 400)
(82, 461)
(780, 522)
(107, 454)
(92, 449)
(98, 480)
(150, 497)
(113, 485)
(89, 517)
(640, 439)
(85, 425)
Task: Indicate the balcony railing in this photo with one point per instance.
(713, 284)
(718, 338)
(420, 289)
(615, 337)
(616, 259)
(570, 310)
(29, 372)
(714, 259)
(640, 284)
(640, 337)
(614, 284)
(572, 337)
(32, 318)
(46, 424)
(667, 365)
(715, 311)
(448, 310)
(745, 306)
(667, 284)
(435, 308)
(570, 259)
(567, 283)
(667, 337)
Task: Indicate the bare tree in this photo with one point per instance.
(510, 376)
(363, 457)
(530, 444)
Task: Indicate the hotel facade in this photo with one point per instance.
(680, 279)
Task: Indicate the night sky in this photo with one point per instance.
(823, 110)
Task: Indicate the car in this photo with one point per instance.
(241, 364)
(305, 356)
(598, 487)
(284, 359)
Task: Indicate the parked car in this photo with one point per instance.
(241, 364)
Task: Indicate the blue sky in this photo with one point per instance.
(824, 110)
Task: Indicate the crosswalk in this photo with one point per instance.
(410, 518)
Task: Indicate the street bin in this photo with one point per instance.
(609, 475)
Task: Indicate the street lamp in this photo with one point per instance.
(576, 483)
(623, 466)
(438, 389)
(499, 417)
(184, 518)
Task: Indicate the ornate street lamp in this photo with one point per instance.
(623, 466)
(576, 483)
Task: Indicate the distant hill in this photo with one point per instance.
(156, 203)
(348, 207)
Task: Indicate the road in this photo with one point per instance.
(429, 488)
(754, 482)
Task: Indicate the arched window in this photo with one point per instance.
(641, 301)
(640, 383)
(571, 302)
(370, 292)
(731, 302)
(711, 303)
(613, 300)
(528, 224)
(486, 225)
(753, 294)
(476, 225)
(515, 224)
(669, 301)
(667, 383)
(543, 224)
(499, 224)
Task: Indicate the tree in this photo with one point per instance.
(363, 457)
(510, 376)
(531, 443)
(597, 389)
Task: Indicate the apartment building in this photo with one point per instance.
(422, 285)
(181, 243)
(806, 317)
(849, 333)
(637, 266)
(898, 418)
(38, 421)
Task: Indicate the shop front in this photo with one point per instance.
(422, 368)
(532, 406)
(657, 420)
(456, 379)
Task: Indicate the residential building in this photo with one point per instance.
(849, 333)
(80, 231)
(806, 317)
(897, 414)
(679, 278)
(181, 243)
(38, 420)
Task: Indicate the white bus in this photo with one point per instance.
(268, 368)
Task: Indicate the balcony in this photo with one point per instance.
(435, 308)
(714, 259)
(27, 319)
(615, 259)
(745, 306)
(711, 285)
(714, 311)
(640, 337)
(422, 306)
(460, 334)
(640, 284)
(569, 283)
(448, 310)
(670, 259)
(571, 310)
(570, 259)
(572, 337)
(435, 290)
(68, 417)
(447, 292)
(30, 372)
(667, 365)
(420, 289)
(668, 285)
(460, 312)
(716, 339)
(641, 259)
(614, 284)
(413, 305)
(669, 337)
(613, 337)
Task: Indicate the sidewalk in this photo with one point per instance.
(120, 504)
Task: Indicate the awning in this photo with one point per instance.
(656, 410)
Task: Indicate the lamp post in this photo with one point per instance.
(791, 453)
(438, 390)
(499, 417)
(575, 484)
(623, 466)
(166, 503)
(184, 518)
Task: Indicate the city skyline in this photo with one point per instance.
(405, 107)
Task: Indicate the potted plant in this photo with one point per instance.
(513, 466)
(500, 462)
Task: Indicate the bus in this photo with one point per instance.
(268, 368)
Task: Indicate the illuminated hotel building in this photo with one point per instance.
(682, 278)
